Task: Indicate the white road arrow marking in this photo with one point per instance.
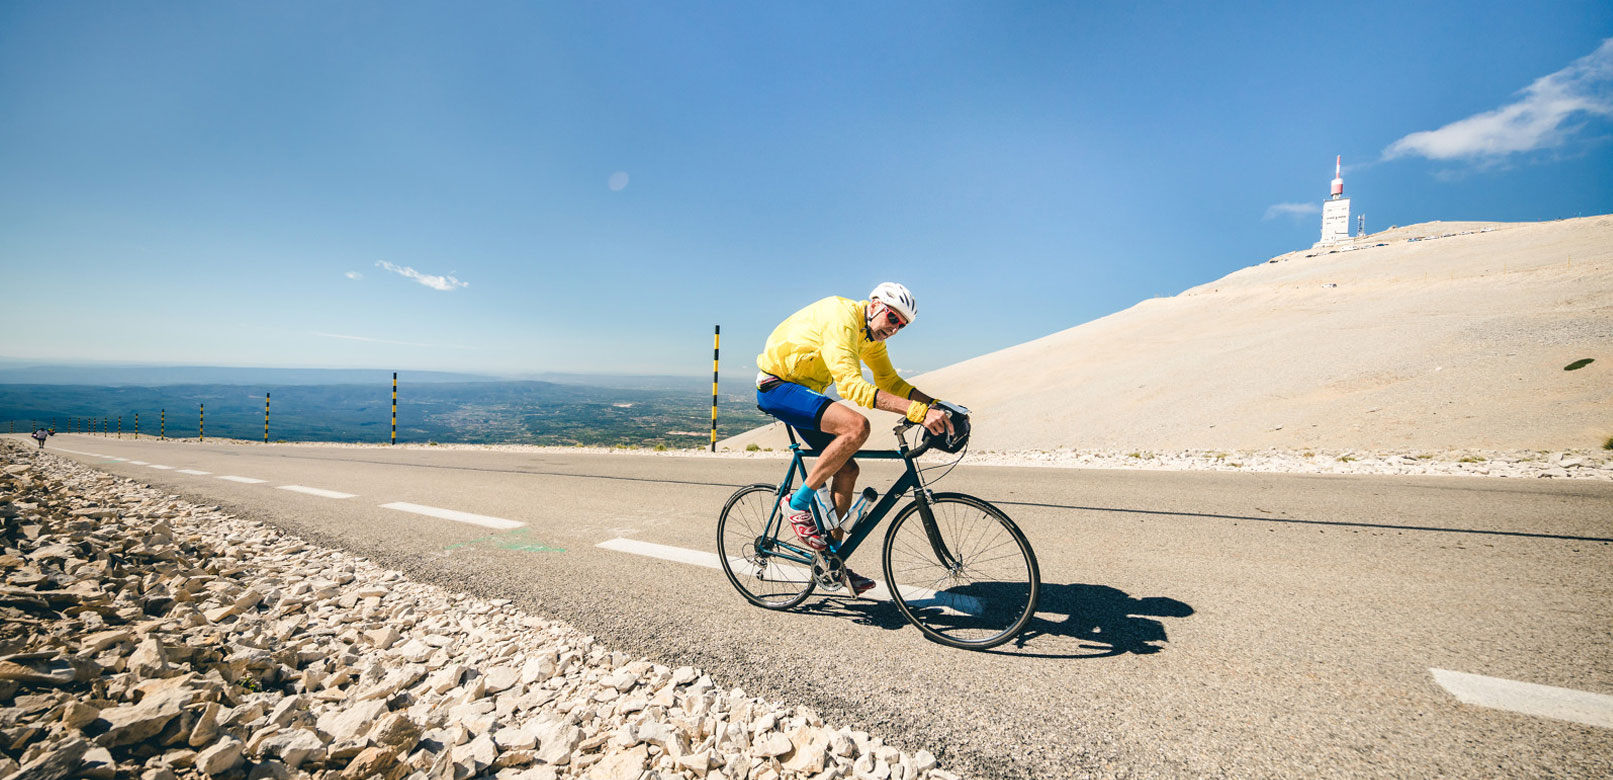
(1541, 701)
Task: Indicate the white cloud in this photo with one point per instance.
(1291, 210)
(1540, 119)
(354, 275)
(368, 339)
(443, 283)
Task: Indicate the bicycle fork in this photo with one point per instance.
(933, 531)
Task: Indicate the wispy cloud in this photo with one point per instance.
(444, 283)
(1292, 210)
(1542, 118)
(370, 340)
(353, 275)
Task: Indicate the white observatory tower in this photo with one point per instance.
(1336, 209)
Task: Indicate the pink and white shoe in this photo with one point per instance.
(859, 583)
(806, 529)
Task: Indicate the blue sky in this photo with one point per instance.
(522, 187)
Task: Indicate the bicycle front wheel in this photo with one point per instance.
(967, 580)
(759, 552)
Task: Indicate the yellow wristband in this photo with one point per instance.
(916, 411)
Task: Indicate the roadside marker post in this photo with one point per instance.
(716, 344)
(137, 426)
(201, 422)
(162, 432)
(394, 408)
(265, 418)
(120, 426)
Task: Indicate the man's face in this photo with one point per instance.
(883, 322)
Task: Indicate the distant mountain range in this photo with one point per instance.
(25, 372)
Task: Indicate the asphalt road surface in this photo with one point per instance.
(1191, 624)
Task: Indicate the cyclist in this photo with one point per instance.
(40, 435)
(828, 341)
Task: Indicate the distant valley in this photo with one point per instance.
(510, 412)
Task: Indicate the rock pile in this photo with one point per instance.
(145, 637)
(1583, 464)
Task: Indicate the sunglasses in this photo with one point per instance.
(892, 319)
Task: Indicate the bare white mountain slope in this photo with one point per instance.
(1443, 335)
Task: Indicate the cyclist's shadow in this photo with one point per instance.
(1105, 621)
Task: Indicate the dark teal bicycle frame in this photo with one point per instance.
(909, 481)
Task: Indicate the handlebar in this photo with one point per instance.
(948, 409)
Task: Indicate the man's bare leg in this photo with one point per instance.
(850, 430)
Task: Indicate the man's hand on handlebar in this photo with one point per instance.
(938, 421)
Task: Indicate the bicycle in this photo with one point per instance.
(955, 566)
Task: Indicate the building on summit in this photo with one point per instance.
(1335, 210)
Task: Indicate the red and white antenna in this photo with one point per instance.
(1338, 178)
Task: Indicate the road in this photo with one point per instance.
(1192, 623)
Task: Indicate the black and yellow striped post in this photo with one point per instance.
(162, 432)
(394, 408)
(201, 422)
(120, 426)
(265, 418)
(716, 343)
(137, 426)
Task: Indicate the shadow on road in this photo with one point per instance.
(1106, 621)
(1103, 621)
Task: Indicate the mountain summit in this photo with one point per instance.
(1442, 335)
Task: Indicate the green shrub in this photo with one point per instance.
(1608, 445)
(1344, 459)
(753, 447)
(660, 448)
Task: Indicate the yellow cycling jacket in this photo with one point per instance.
(824, 342)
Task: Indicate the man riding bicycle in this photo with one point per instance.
(830, 340)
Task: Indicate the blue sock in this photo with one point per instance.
(802, 500)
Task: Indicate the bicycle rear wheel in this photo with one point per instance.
(968, 581)
(759, 552)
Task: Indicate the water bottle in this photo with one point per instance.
(860, 509)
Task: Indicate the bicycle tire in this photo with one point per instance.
(768, 581)
(988, 599)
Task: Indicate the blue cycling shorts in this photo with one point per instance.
(799, 407)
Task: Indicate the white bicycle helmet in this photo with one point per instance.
(897, 297)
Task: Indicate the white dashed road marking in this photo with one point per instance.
(155, 466)
(1541, 701)
(312, 491)
(194, 471)
(913, 596)
(135, 462)
(664, 552)
(455, 515)
(245, 480)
